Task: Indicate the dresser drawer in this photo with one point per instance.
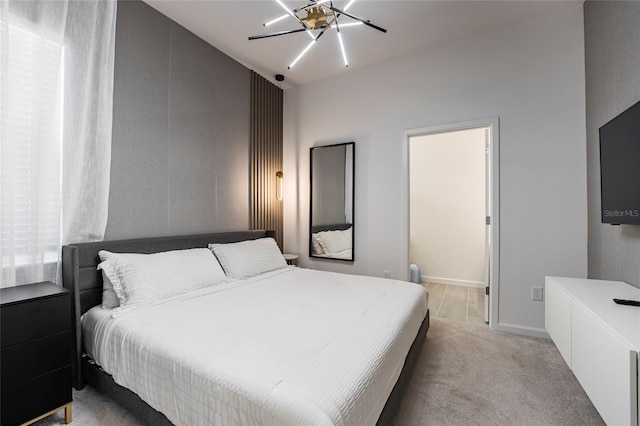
(26, 361)
(34, 319)
(33, 398)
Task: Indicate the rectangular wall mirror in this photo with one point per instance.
(331, 209)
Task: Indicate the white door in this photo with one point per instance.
(487, 233)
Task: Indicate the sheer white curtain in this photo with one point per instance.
(56, 86)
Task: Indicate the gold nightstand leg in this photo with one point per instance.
(68, 413)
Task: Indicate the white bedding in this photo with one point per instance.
(344, 254)
(293, 346)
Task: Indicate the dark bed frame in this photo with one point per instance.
(334, 227)
(81, 277)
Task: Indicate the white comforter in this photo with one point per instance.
(292, 347)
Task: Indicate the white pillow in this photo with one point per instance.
(333, 242)
(349, 233)
(317, 248)
(109, 297)
(248, 258)
(139, 279)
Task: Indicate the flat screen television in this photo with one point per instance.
(620, 168)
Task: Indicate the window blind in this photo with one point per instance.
(31, 79)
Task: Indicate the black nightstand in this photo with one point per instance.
(35, 325)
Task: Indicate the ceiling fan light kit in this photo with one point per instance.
(318, 16)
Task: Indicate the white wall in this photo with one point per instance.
(532, 77)
(447, 206)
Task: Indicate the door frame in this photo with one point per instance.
(494, 264)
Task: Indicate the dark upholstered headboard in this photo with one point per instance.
(333, 227)
(84, 281)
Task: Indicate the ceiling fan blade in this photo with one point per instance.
(308, 47)
(279, 33)
(324, 30)
(364, 21)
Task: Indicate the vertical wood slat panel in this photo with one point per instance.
(266, 155)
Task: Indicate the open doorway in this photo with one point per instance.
(447, 212)
(451, 213)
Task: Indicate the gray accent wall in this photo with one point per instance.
(612, 66)
(180, 151)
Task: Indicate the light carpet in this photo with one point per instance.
(465, 375)
(469, 375)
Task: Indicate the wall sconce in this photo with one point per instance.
(279, 176)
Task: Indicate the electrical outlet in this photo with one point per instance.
(537, 293)
(387, 274)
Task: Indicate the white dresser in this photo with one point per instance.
(599, 340)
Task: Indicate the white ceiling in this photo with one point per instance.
(412, 26)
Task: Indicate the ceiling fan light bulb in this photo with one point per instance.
(273, 21)
(348, 5)
(302, 54)
(344, 53)
(284, 6)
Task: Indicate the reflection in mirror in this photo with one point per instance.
(331, 221)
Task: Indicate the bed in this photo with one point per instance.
(265, 381)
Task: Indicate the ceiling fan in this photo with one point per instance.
(319, 16)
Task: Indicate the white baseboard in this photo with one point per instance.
(523, 331)
(452, 281)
